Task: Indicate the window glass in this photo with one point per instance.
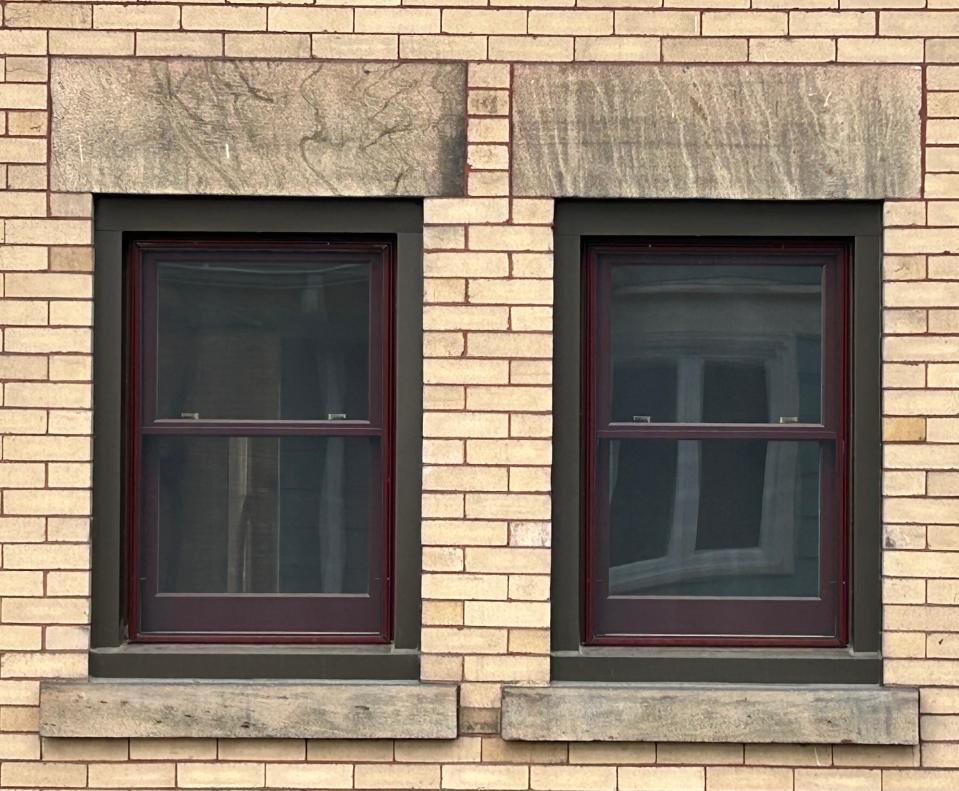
(742, 338)
(283, 339)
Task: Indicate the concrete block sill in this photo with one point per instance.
(249, 709)
(808, 714)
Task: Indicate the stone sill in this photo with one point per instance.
(255, 709)
(813, 714)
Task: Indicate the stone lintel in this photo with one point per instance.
(248, 710)
(718, 713)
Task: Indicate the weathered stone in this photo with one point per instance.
(248, 710)
(717, 713)
(257, 127)
(644, 131)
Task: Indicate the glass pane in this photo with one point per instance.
(716, 337)
(724, 517)
(246, 515)
(257, 339)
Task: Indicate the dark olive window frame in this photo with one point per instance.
(856, 224)
(119, 222)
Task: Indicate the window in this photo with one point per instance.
(716, 442)
(258, 380)
(259, 456)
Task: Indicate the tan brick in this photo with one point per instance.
(43, 339)
(396, 776)
(349, 750)
(447, 237)
(73, 638)
(674, 753)
(516, 291)
(832, 23)
(72, 259)
(397, 20)
(85, 749)
(444, 397)
(22, 366)
(467, 533)
(39, 773)
(355, 46)
(23, 97)
(495, 750)
(904, 429)
(22, 150)
(917, 23)
(222, 775)
(464, 586)
(488, 75)
(483, 183)
(487, 130)
(441, 47)
(21, 583)
(487, 102)
(570, 23)
(319, 20)
(23, 42)
(465, 264)
(261, 45)
(465, 318)
(133, 775)
(21, 476)
(14, 257)
(19, 747)
(184, 44)
(754, 23)
(838, 780)
(48, 15)
(529, 588)
(441, 613)
(903, 483)
(572, 778)
(21, 529)
(487, 157)
(464, 478)
(440, 640)
(903, 322)
(20, 638)
(530, 48)
(444, 344)
(91, 42)
(43, 665)
(919, 780)
(736, 778)
(224, 18)
(487, 777)
(617, 48)
(443, 371)
(508, 399)
(24, 177)
(498, 21)
(443, 506)
(466, 210)
(791, 50)
(899, 645)
(710, 50)
(657, 23)
(884, 50)
(154, 16)
(513, 614)
(462, 750)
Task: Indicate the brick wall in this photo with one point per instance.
(487, 394)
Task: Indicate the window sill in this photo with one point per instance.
(813, 714)
(248, 709)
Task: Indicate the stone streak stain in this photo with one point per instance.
(717, 132)
(258, 127)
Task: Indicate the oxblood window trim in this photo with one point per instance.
(302, 619)
(663, 621)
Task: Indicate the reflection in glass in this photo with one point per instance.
(715, 343)
(243, 515)
(730, 517)
(275, 340)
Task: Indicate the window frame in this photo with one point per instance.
(118, 221)
(858, 223)
(599, 423)
(143, 420)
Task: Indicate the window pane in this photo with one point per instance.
(247, 338)
(724, 517)
(247, 515)
(721, 338)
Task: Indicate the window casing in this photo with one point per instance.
(383, 650)
(259, 409)
(718, 517)
(684, 655)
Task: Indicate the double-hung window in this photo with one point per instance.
(716, 441)
(716, 460)
(259, 443)
(257, 438)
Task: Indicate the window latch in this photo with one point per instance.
(642, 418)
(788, 419)
(336, 416)
(189, 415)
